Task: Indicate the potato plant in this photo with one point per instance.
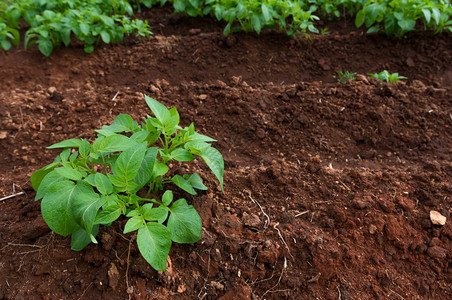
(123, 173)
(52, 23)
(386, 76)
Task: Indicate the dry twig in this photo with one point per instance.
(12, 196)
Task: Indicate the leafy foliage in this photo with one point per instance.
(52, 23)
(344, 77)
(386, 76)
(92, 184)
(396, 18)
(400, 17)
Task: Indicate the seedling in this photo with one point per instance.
(386, 76)
(344, 77)
(123, 172)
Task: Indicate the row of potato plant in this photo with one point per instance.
(50, 23)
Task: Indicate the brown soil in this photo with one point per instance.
(328, 186)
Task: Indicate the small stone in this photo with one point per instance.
(251, 220)
(410, 62)
(236, 79)
(202, 97)
(260, 133)
(113, 275)
(52, 90)
(181, 288)
(217, 285)
(360, 204)
(3, 135)
(194, 31)
(362, 78)
(437, 218)
(418, 84)
(372, 229)
(154, 89)
(437, 252)
(240, 292)
(43, 269)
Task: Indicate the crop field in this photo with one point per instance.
(225, 149)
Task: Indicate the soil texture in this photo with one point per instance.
(328, 186)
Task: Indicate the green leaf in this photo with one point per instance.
(90, 179)
(154, 243)
(71, 143)
(214, 160)
(69, 173)
(85, 148)
(108, 215)
(256, 22)
(129, 162)
(37, 176)
(167, 197)
(64, 155)
(436, 15)
(146, 169)
(196, 137)
(134, 224)
(158, 214)
(183, 184)
(105, 36)
(427, 14)
(160, 169)
(85, 205)
(184, 223)
(6, 45)
(122, 123)
(406, 24)
(179, 5)
(181, 154)
(80, 239)
(45, 46)
(84, 28)
(160, 111)
(48, 181)
(196, 182)
(140, 136)
(373, 29)
(360, 17)
(265, 12)
(103, 184)
(115, 143)
(88, 48)
(56, 208)
(66, 36)
(117, 181)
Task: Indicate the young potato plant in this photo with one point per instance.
(122, 173)
(52, 23)
(400, 17)
(386, 76)
(344, 77)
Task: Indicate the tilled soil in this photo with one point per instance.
(328, 186)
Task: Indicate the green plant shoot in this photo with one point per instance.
(386, 76)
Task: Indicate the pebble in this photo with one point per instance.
(437, 218)
(3, 135)
(437, 252)
(372, 229)
(113, 276)
(52, 90)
